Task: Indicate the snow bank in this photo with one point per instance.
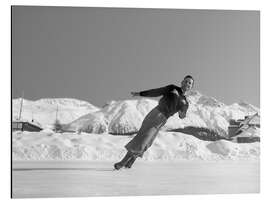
(232, 150)
(47, 145)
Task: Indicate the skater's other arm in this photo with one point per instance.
(154, 92)
(182, 113)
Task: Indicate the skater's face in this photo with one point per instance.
(187, 84)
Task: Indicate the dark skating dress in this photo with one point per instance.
(172, 101)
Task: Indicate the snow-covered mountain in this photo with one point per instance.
(126, 116)
(117, 117)
(44, 111)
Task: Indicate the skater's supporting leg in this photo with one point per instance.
(130, 162)
(124, 161)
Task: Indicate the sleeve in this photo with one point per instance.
(157, 92)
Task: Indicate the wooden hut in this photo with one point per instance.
(237, 127)
(25, 126)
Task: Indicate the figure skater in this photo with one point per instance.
(173, 101)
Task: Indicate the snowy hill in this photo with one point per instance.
(117, 117)
(125, 117)
(43, 111)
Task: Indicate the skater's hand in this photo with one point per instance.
(175, 92)
(181, 114)
(135, 94)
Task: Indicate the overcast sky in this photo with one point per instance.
(102, 54)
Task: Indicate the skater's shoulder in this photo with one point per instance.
(177, 88)
(173, 86)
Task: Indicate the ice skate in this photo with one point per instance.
(130, 162)
(123, 162)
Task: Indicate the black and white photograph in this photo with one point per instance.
(134, 101)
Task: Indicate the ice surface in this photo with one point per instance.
(81, 179)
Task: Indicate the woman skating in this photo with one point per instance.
(173, 100)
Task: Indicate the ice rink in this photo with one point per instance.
(87, 178)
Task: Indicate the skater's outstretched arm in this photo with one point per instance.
(155, 92)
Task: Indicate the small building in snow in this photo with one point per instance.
(25, 126)
(237, 127)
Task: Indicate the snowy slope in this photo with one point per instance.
(43, 111)
(123, 117)
(47, 145)
(126, 116)
(117, 117)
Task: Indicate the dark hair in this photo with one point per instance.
(188, 76)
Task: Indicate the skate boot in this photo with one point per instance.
(124, 161)
(130, 162)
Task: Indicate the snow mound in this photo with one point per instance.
(47, 145)
(232, 150)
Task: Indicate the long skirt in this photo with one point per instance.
(147, 133)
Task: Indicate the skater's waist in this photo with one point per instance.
(164, 110)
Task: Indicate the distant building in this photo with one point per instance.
(247, 139)
(21, 125)
(239, 126)
(25, 126)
